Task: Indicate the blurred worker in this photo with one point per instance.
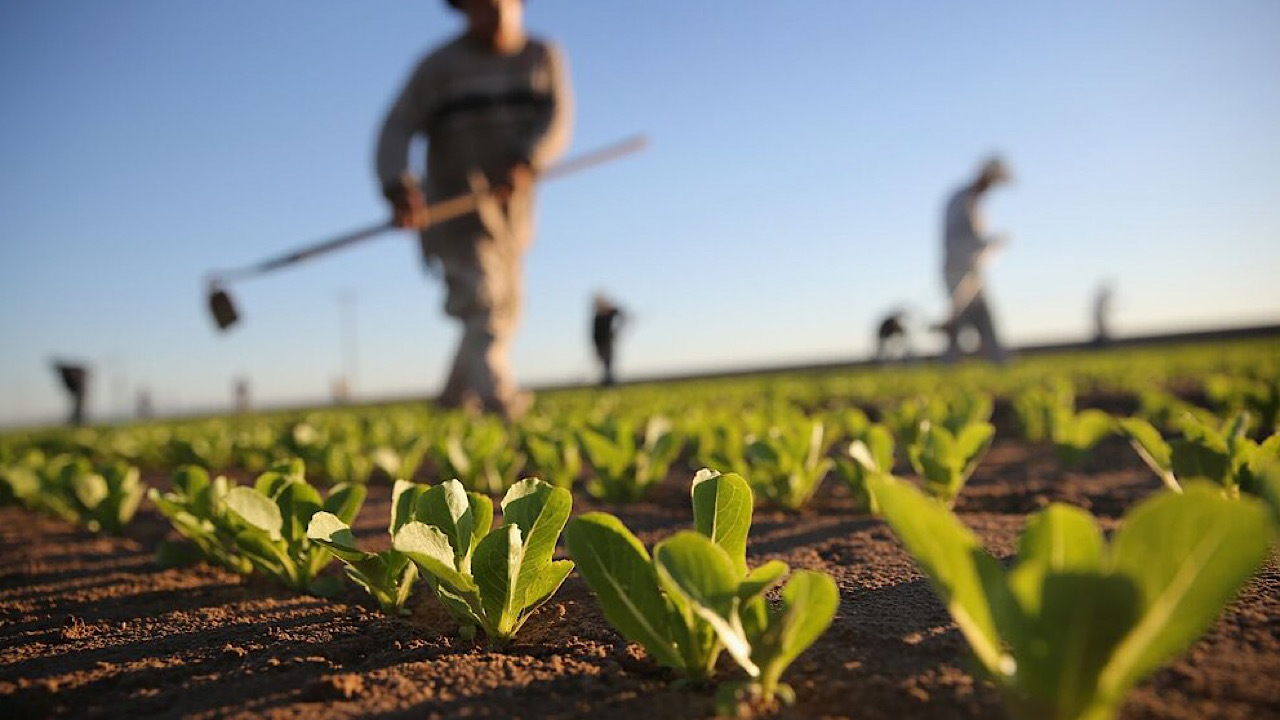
(967, 247)
(75, 380)
(241, 395)
(1102, 315)
(495, 107)
(607, 319)
(144, 409)
(891, 337)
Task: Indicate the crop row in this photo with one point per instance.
(1063, 632)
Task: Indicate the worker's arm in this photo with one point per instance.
(408, 115)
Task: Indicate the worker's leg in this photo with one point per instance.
(463, 283)
(482, 370)
(978, 314)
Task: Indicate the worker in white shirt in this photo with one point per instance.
(967, 246)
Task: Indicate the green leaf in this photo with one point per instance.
(722, 511)
(952, 558)
(496, 567)
(1152, 448)
(448, 507)
(701, 574)
(256, 510)
(972, 443)
(404, 503)
(695, 567)
(90, 490)
(617, 568)
(540, 511)
(431, 549)
(1059, 539)
(1062, 645)
(335, 535)
(297, 501)
(809, 603)
(345, 501)
(1189, 554)
(761, 579)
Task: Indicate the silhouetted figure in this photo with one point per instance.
(495, 107)
(606, 320)
(891, 338)
(144, 409)
(967, 246)
(75, 379)
(1102, 315)
(243, 402)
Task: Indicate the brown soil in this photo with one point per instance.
(91, 627)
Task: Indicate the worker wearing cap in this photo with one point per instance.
(966, 247)
(495, 107)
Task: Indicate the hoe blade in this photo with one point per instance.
(224, 311)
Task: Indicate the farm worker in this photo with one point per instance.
(606, 320)
(1102, 314)
(966, 247)
(75, 380)
(495, 107)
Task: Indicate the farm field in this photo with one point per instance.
(94, 625)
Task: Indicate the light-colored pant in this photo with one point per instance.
(483, 283)
(976, 315)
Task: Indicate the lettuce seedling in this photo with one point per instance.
(946, 461)
(388, 575)
(788, 464)
(695, 596)
(108, 499)
(271, 521)
(1225, 455)
(196, 507)
(495, 579)
(480, 455)
(625, 470)
(556, 457)
(1069, 629)
(871, 453)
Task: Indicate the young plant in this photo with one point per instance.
(1224, 456)
(107, 500)
(480, 455)
(271, 521)
(946, 461)
(556, 457)
(495, 579)
(69, 487)
(388, 575)
(196, 506)
(401, 460)
(788, 464)
(871, 453)
(624, 471)
(695, 596)
(1069, 629)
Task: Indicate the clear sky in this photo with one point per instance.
(792, 194)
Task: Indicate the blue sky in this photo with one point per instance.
(800, 156)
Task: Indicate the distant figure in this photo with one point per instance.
(607, 319)
(966, 248)
(242, 401)
(75, 380)
(495, 107)
(891, 338)
(1102, 315)
(341, 391)
(144, 409)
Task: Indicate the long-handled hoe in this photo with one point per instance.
(223, 308)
